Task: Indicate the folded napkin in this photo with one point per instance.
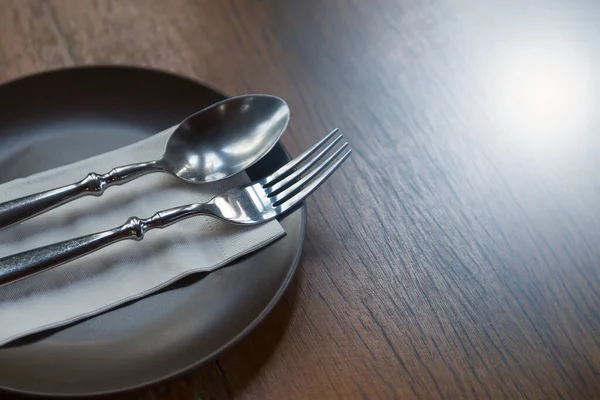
(127, 270)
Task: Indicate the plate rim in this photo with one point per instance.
(301, 209)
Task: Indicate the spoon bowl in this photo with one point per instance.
(225, 138)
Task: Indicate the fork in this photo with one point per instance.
(255, 203)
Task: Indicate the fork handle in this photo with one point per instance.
(30, 262)
(21, 209)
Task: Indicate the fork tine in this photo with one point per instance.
(290, 179)
(283, 171)
(311, 182)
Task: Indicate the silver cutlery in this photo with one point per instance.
(212, 144)
(255, 203)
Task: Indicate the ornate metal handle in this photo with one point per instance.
(26, 207)
(30, 262)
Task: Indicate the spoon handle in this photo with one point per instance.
(21, 209)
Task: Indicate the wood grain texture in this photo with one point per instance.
(456, 254)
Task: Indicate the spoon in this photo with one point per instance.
(210, 145)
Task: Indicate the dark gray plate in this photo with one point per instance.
(59, 117)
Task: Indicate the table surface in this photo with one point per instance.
(455, 255)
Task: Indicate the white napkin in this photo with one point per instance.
(124, 271)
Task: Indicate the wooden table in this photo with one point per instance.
(456, 254)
